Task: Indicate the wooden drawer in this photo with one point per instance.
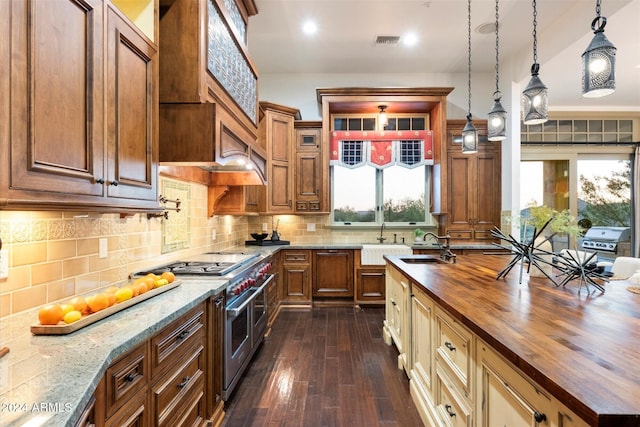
(125, 377)
(170, 393)
(172, 343)
(454, 348)
(297, 256)
(451, 409)
(460, 234)
(190, 411)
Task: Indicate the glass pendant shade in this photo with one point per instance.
(469, 137)
(535, 100)
(497, 129)
(598, 64)
(382, 116)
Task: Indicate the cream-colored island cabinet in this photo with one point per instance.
(396, 325)
(455, 378)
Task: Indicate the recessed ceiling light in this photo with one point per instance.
(309, 27)
(410, 39)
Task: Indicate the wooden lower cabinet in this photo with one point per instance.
(333, 273)
(456, 379)
(168, 380)
(295, 277)
(370, 285)
(213, 385)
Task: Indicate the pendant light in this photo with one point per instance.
(497, 130)
(535, 100)
(598, 61)
(469, 132)
(382, 117)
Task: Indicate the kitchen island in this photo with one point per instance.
(580, 348)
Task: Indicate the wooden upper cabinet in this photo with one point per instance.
(59, 129)
(277, 132)
(310, 174)
(132, 106)
(473, 186)
(208, 116)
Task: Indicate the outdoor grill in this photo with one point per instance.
(608, 242)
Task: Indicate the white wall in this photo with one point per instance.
(299, 90)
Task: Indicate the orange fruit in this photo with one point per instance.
(169, 276)
(66, 308)
(97, 302)
(135, 289)
(50, 314)
(142, 287)
(111, 296)
(147, 280)
(153, 276)
(111, 290)
(79, 304)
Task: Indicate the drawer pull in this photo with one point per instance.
(130, 377)
(449, 410)
(539, 417)
(184, 382)
(449, 346)
(182, 335)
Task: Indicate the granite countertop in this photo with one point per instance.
(48, 380)
(581, 347)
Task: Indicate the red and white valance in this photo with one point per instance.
(381, 149)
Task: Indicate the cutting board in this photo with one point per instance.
(63, 328)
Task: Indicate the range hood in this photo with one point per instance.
(206, 136)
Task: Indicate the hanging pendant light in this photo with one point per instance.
(598, 61)
(469, 132)
(382, 117)
(535, 100)
(497, 130)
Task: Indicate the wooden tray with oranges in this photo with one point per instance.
(62, 328)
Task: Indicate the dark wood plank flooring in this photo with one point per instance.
(328, 366)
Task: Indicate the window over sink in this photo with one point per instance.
(381, 176)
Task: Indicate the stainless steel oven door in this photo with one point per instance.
(260, 315)
(237, 339)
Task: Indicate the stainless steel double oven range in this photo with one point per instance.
(245, 313)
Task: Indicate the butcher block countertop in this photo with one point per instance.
(583, 348)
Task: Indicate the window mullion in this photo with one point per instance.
(379, 196)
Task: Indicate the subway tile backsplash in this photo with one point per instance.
(54, 255)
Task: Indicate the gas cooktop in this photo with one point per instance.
(208, 264)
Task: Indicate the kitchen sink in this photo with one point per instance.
(425, 259)
(373, 254)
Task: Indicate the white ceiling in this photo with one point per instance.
(344, 42)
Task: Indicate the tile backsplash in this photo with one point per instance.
(55, 255)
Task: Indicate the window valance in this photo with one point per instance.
(381, 149)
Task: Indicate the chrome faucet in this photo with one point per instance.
(381, 238)
(445, 251)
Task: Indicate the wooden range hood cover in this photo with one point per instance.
(202, 135)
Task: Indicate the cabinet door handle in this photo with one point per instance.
(99, 181)
(114, 183)
(184, 382)
(449, 346)
(449, 410)
(130, 377)
(289, 202)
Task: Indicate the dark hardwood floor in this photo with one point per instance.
(328, 366)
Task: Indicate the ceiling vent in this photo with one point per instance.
(387, 41)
